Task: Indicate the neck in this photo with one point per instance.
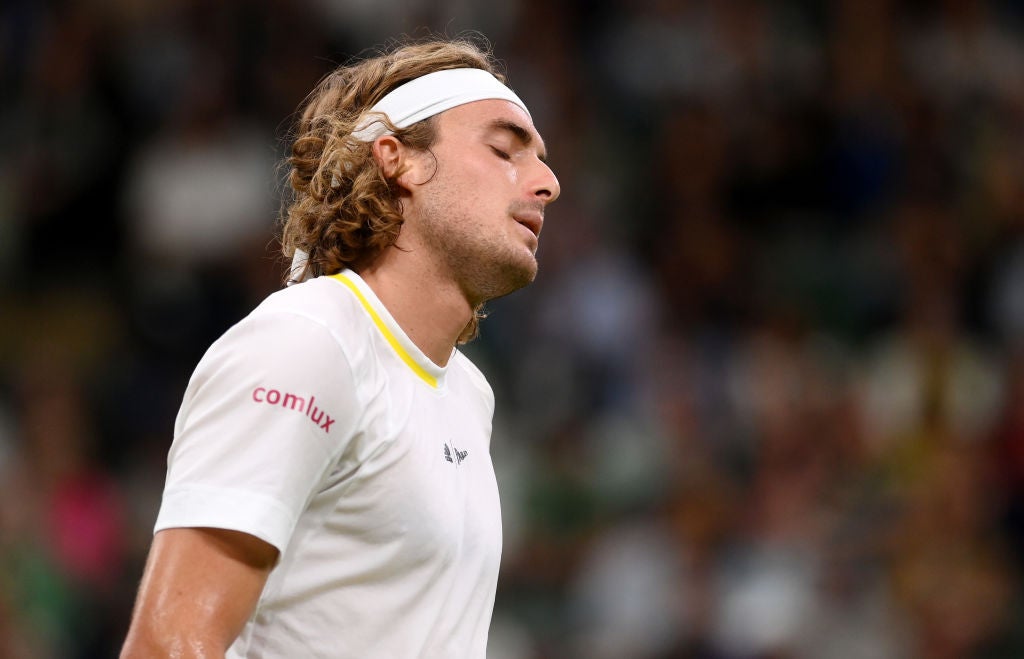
(430, 308)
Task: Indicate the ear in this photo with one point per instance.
(397, 161)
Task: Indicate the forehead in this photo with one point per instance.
(489, 115)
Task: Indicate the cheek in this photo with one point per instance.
(474, 185)
(490, 184)
(491, 170)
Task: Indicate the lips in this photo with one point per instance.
(531, 220)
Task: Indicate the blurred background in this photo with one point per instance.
(764, 401)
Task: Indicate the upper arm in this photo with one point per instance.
(266, 418)
(199, 587)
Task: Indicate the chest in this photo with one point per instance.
(422, 481)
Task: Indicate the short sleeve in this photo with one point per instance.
(268, 411)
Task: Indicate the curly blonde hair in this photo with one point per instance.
(343, 211)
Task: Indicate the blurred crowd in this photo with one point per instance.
(764, 401)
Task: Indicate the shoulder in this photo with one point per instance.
(306, 328)
(320, 301)
(294, 348)
(303, 318)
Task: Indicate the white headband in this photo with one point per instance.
(432, 94)
(415, 101)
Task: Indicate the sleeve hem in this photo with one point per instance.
(198, 506)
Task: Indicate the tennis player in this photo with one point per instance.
(329, 488)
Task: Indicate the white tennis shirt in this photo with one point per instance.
(317, 425)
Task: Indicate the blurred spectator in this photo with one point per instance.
(63, 548)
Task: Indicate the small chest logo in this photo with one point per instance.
(454, 455)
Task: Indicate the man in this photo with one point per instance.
(329, 490)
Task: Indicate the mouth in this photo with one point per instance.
(533, 221)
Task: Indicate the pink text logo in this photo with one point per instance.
(293, 402)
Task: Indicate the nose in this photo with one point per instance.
(545, 186)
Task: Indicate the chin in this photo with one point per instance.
(527, 270)
(510, 277)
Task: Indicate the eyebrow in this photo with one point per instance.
(520, 133)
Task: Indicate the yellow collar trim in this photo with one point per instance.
(388, 335)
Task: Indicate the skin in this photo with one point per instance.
(474, 208)
(198, 589)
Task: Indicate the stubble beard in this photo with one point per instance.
(484, 267)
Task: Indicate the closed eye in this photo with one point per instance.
(501, 154)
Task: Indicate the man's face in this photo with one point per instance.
(481, 209)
